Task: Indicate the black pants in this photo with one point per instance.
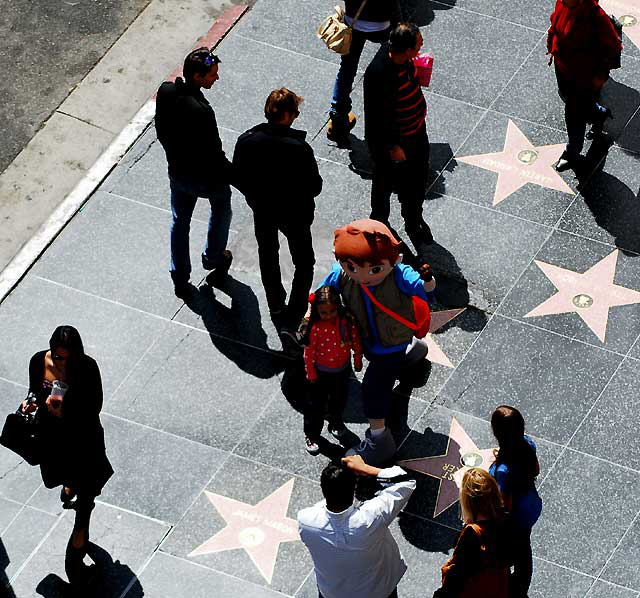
(520, 579)
(73, 563)
(407, 178)
(327, 396)
(298, 234)
(580, 108)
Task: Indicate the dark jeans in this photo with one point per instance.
(184, 195)
(341, 102)
(520, 579)
(393, 594)
(327, 396)
(580, 108)
(408, 178)
(298, 235)
(377, 384)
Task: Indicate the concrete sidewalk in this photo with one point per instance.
(200, 404)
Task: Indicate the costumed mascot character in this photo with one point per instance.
(390, 303)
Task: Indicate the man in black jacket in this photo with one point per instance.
(188, 131)
(278, 174)
(375, 18)
(395, 131)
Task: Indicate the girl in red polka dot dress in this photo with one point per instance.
(331, 337)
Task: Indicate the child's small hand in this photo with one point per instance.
(425, 272)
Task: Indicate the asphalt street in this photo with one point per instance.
(46, 48)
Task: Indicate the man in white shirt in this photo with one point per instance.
(353, 551)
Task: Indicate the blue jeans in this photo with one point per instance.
(341, 103)
(184, 194)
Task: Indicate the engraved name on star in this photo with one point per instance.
(589, 294)
(519, 163)
(438, 320)
(462, 454)
(628, 13)
(258, 529)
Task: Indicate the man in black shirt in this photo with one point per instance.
(396, 133)
(188, 131)
(278, 175)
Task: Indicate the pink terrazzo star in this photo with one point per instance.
(438, 320)
(590, 294)
(519, 163)
(257, 529)
(462, 454)
(628, 13)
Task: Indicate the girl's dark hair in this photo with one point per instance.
(507, 424)
(199, 62)
(68, 338)
(403, 37)
(326, 294)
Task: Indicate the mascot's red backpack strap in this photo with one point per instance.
(421, 313)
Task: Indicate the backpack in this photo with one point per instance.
(421, 313)
(615, 62)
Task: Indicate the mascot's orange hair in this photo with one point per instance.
(365, 240)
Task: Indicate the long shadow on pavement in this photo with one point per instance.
(231, 329)
(111, 579)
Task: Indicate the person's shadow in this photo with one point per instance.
(422, 12)
(6, 591)
(615, 208)
(110, 580)
(623, 102)
(237, 331)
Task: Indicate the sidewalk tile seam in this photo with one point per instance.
(564, 449)
(26, 562)
(604, 567)
(543, 560)
(114, 133)
(570, 338)
(494, 18)
(138, 573)
(301, 54)
(162, 318)
(134, 513)
(25, 505)
(203, 566)
(304, 581)
(19, 384)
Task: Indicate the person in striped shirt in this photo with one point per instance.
(396, 133)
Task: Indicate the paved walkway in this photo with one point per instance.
(201, 410)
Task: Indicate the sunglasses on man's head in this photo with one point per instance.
(211, 59)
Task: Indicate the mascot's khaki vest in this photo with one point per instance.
(390, 331)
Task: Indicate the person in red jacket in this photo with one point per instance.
(332, 335)
(585, 46)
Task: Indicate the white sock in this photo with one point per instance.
(378, 432)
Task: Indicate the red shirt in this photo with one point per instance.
(583, 41)
(330, 346)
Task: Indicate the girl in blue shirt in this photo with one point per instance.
(515, 469)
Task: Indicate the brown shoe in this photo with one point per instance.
(340, 126)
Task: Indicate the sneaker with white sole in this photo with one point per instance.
(337, 430)
(311, 446)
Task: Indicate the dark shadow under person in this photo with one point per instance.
(109, 580)
(237, 331)
(6, 591)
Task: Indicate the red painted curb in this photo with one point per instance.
(222, 25)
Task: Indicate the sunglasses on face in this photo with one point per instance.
(57, 357)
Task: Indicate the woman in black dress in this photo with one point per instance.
(71, 434)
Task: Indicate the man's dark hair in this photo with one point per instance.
(279, 102)
(199, 62)
(403, 37)
(338, 484)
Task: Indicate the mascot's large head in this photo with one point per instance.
(366, 250)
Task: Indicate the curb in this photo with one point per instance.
(18, 267)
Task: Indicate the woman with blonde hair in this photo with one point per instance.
(479, 566)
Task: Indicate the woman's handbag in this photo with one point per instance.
(20, 435)
(335, 33)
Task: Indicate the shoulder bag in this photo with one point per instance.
(20, 434)
(335, 33)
